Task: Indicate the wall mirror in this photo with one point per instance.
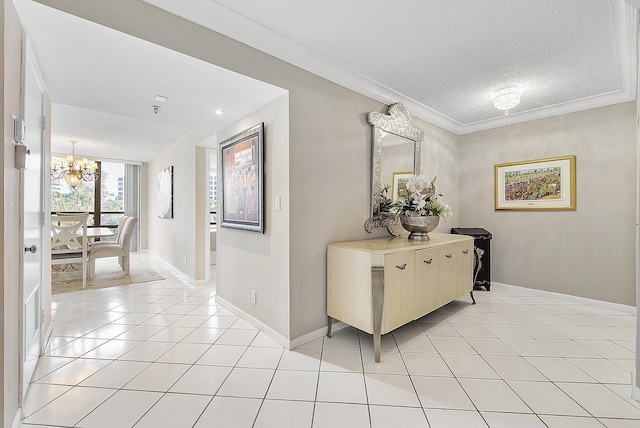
(396, 154)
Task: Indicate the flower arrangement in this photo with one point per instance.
(420, 198)
(386, 204)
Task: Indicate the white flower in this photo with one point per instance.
(420, 197)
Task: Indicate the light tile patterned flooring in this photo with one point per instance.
(164, 354)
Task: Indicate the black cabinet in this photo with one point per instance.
(482, 255)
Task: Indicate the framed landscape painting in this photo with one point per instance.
(242, 164)
(541, 184)
(399, 183)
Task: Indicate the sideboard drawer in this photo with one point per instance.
(426, 281)
(398, 290)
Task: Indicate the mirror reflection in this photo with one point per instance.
(396, 161)
(395, 157)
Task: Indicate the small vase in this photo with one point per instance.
(419, 226)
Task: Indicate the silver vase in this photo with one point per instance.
(419, 226)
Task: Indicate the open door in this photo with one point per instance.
(31, 222)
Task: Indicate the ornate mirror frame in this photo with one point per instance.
(397, 122)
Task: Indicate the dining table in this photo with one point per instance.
(97, 232)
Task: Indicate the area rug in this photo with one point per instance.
(108, 274)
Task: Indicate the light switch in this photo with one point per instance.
(277, 203)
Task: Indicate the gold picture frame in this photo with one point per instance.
(540, 184)
(399, 182)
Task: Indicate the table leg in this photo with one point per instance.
(377, 283)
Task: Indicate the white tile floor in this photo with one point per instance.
(164, 354)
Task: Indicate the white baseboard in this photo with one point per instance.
(17, 420)
(47, 335)
(575, 299)
(172, 268)
(306, 338)
(635, 388)
(277, 337)
(280, 339)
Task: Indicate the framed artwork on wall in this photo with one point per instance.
(399, 183)
(242, 171)
(540, 184)
(165, 193)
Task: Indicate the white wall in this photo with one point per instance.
(174, 239)
(202, 255)
(589, 252)
(253, 261)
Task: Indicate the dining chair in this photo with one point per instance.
(67, 244)
(117, 235)
(120, 248)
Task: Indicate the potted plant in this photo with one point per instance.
(420, 206)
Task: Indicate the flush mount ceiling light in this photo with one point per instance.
(219, 112)
(507, 98)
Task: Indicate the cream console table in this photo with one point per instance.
(378, 285)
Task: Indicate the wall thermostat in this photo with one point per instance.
(19, 130)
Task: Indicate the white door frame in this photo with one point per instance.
(26, 370)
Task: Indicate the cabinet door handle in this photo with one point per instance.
(428, 261)
(465, 252)
(448, 256)
(403, 267)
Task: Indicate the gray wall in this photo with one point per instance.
(589, 252)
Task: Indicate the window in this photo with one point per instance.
(105, 207)
(65, 198)
(112, 195)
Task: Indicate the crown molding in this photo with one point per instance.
(218, 18)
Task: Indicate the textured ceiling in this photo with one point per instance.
(445, 59)
(103, 84)
(110, 136)
(442, 59)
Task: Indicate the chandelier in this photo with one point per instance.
(73, 170)
(507, 98)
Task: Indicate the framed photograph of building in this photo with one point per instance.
(241, 172)
(541, 184)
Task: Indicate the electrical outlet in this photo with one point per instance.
(185, 261)
(254, 296)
